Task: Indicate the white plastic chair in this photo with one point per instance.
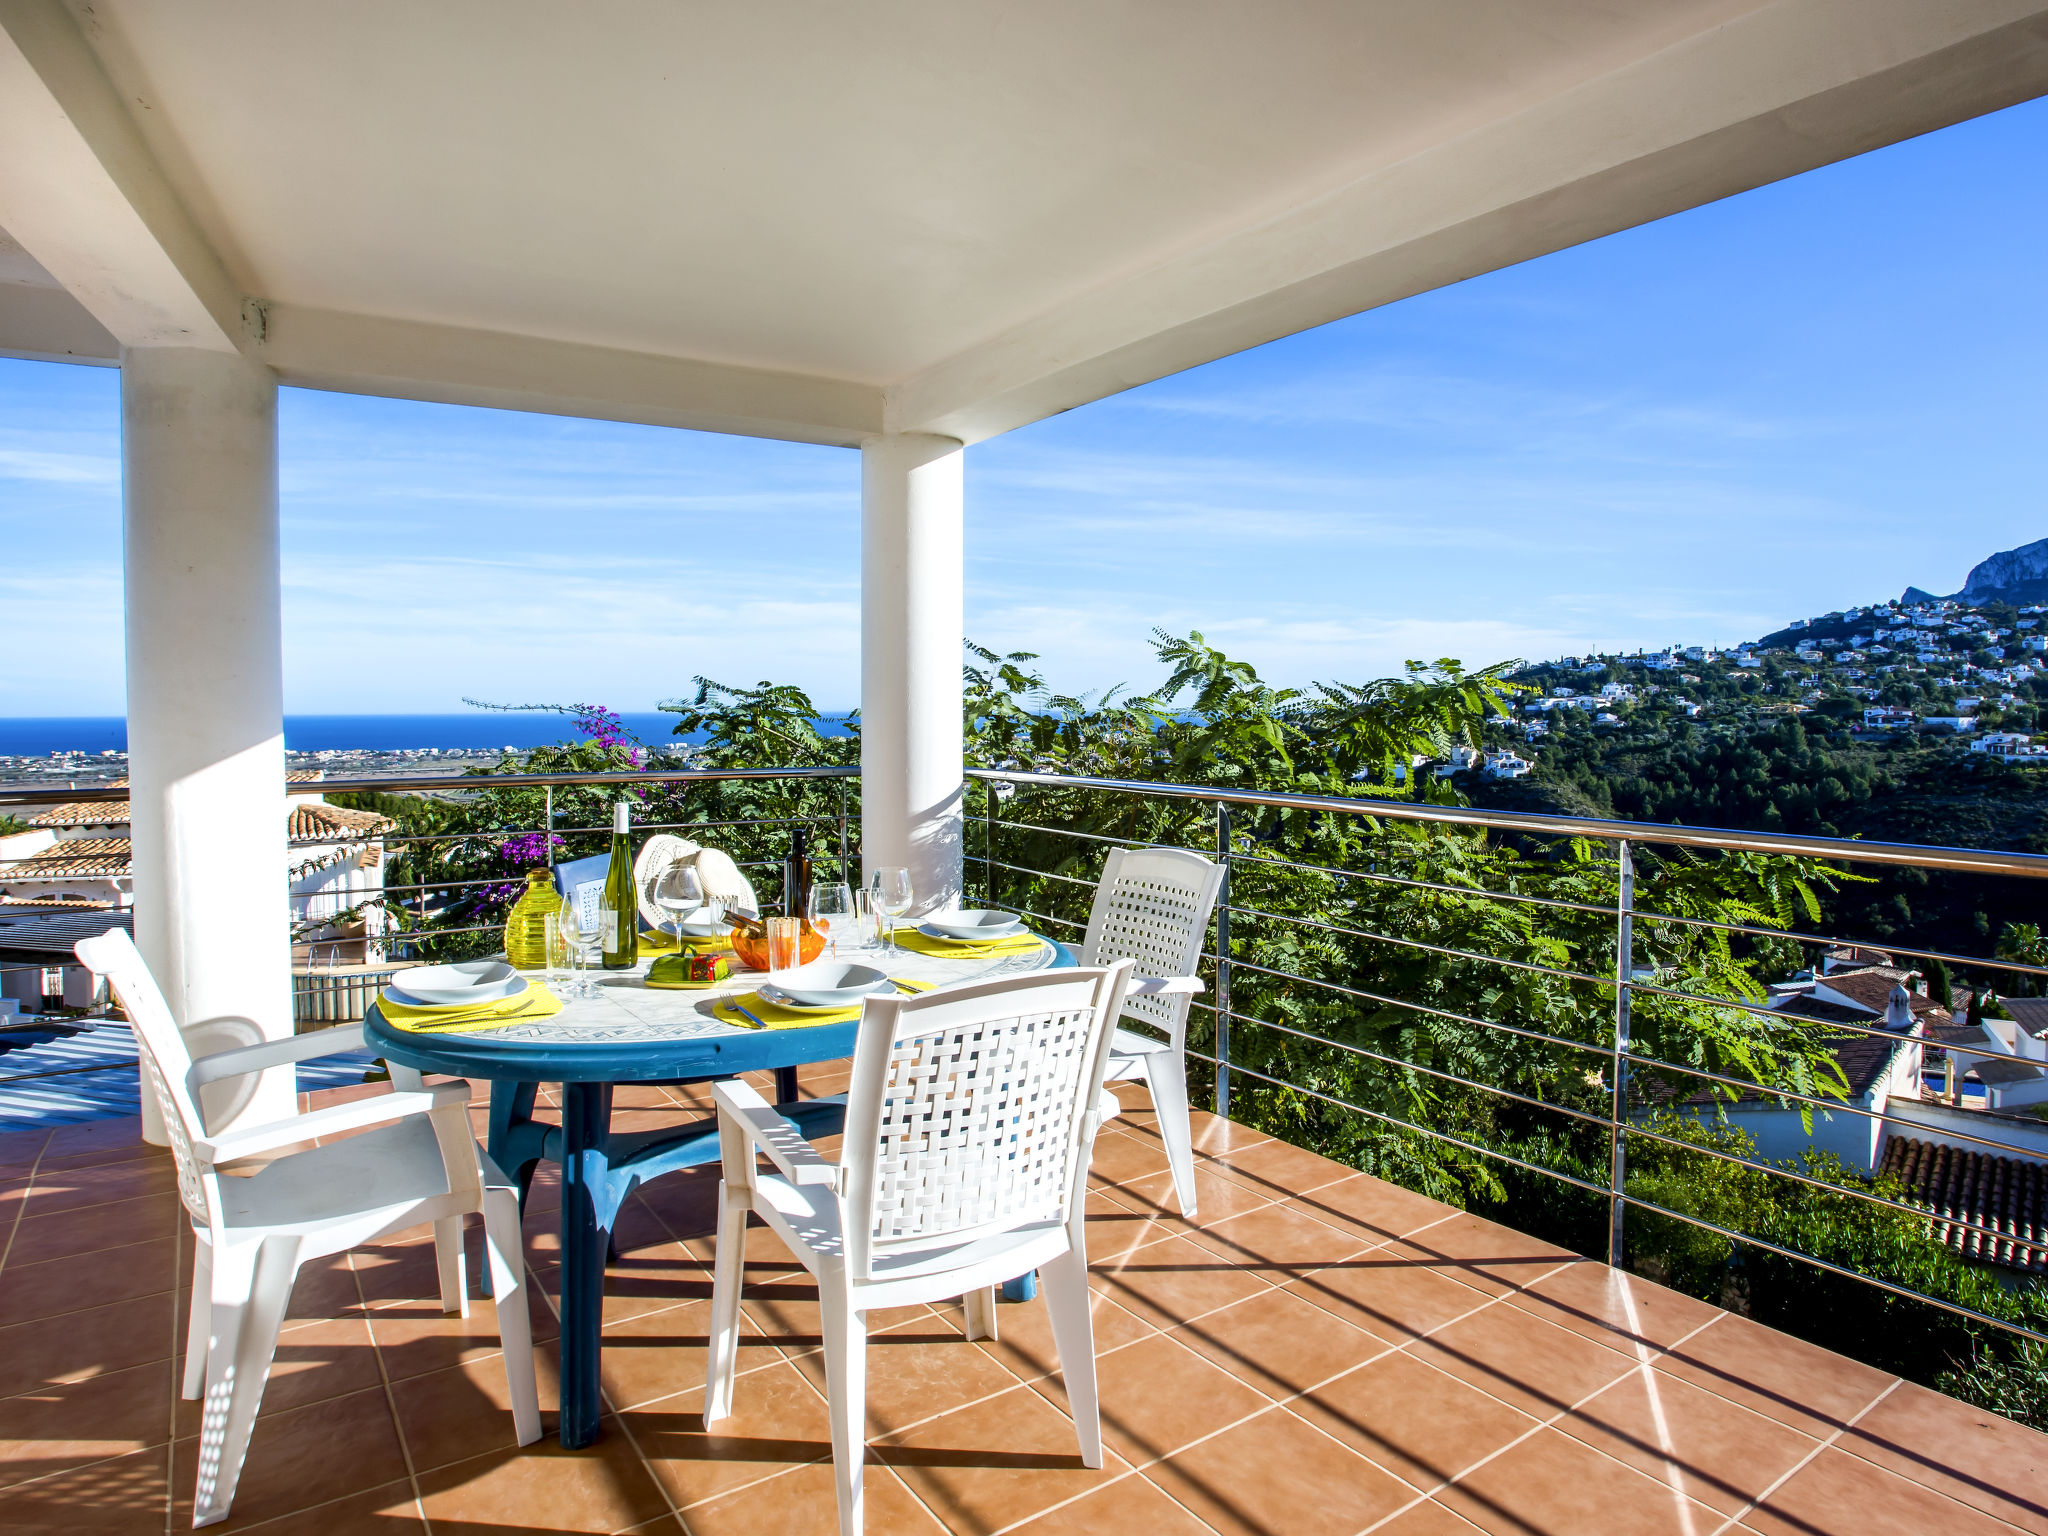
(969, 1124)
(1152, 907)
(252, 1234)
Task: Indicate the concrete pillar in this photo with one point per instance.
(206, 706)
(913, 616)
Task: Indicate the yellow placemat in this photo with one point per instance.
(536, 1002)
(956, 949)
(776, 1016)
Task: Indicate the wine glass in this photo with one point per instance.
(569, 932)
(678, 889)
(831, 912)
(889, 891)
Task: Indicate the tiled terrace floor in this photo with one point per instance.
(1320, 1353)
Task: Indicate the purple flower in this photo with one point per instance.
(529, 848)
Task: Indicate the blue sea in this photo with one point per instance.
(478, 731)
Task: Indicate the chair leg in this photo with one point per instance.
(980, 1307)
(1166, 1075)
(200, 1326)
(251, 1285)
(846, 1391)
(448, 1258)
(1068, 1306)
(728, 1272)
(505, 1262)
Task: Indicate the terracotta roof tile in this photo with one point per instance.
(333, 823)
(83, 813)
(2008, 1194)
(78, 858)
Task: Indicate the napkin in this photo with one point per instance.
(536, 1002)
(776, 1016)
(967, 949)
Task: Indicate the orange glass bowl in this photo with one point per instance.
(753, 952)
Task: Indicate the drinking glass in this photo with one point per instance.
(785, 943)
(556, 953)
(889, 894)
(677, 890)
(578, 946)
(831, 912)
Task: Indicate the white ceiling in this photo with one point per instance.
(949, 216)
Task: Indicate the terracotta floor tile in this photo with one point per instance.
(70, 1189)
(460, 1414)
(1968, 1453)
(778, 1421)
(418, 1337)
(1705, 1446)
(994, 1463)
(105, 1339)
(307, 1456)
(1277, 1475)
(1132, 1503)
(1381, 1209)
(1279, 1168)
(1415, 1421)
(1120, 1159)
(653, 1355)
(801, 1502)
(1175, 1281)
(1024, 1344)
(54, 1428)
(1280, 1343)
(1216, 1199)
(1281, 1241)
(1522, 1360)
(1397, 1297)
(57, 1286)
(1427, 1518)
(1214, 1137)
(325, 1288)
(388, 1511)
(115, 1225)
(1837, 1494)
(602, 1488)
(314, 1361)
(1158, 1395)
(1787, 1379)
(911, 1379)
(1551, 1484)
(1485, 1254)
(1614, 1306)
(123, 1497)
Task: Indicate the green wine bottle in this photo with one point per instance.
(620, 920)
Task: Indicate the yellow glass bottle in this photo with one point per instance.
(526, 931)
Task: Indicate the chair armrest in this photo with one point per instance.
(1165, 986)
(275, 1053)
(776, 1138)
(353, 1115)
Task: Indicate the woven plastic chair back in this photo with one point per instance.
(166, 1062)
(970, 1109)
(1152, 907)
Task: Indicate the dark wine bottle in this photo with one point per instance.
(620, 920)
(796, 877)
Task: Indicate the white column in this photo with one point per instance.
(913, 616)
(206, 705)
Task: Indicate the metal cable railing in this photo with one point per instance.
(1626, 1117)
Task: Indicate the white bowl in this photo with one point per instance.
(698, 928)
(469, 981)
(972, 925)
(829, 983)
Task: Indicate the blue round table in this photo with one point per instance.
(632, 1034)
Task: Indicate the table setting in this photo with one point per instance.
(712, 990)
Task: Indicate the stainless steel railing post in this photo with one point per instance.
(1223, 963)
(988, 843)
(844, 873)
(1624, 977)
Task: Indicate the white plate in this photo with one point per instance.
(830, 983)
(699, 930)
(972, 927)
(453, 997)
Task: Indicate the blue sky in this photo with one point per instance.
(1804, 397)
